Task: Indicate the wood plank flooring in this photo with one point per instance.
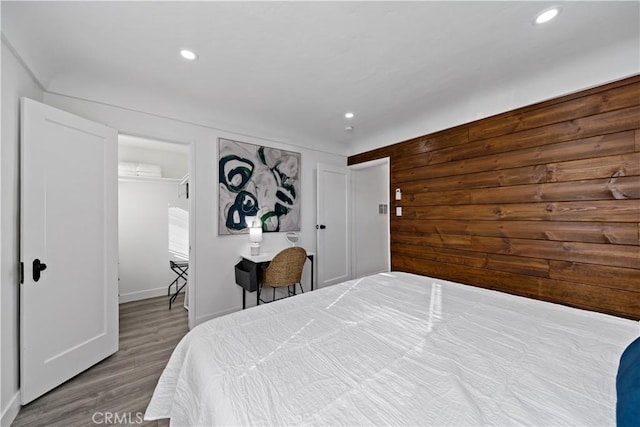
(121, 384)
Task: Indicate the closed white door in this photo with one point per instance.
(333, 231)
(69, 247)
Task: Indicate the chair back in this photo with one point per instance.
(286, 268)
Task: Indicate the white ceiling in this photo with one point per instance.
(295, 68)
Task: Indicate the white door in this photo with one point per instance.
(69, 315)
(333, 233)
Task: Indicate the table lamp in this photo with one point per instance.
(255, 234)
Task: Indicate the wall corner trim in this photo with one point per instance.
(11, 411)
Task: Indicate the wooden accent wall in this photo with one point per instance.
(543, 201)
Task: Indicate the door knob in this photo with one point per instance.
(321, 226)
(37, 268)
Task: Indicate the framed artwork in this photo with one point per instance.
(257, 181)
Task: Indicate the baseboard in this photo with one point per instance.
(11, 411)
(203, 319)
(148, 293)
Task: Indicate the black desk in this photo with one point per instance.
(248, 272)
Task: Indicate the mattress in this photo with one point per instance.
(397, 349)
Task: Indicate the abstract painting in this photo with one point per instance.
(257, 181)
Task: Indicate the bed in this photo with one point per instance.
(397, 349)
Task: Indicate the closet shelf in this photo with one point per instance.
(149, 179)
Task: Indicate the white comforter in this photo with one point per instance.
(397, 349)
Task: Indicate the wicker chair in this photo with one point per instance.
(285, 270)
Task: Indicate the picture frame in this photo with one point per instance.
(256, 180)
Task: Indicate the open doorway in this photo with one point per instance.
(370, 218)
(153, 221)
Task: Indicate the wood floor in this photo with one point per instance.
(121, 384)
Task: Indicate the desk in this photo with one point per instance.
(257, 261)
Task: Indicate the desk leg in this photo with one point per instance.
(311, 259)
(244, 298)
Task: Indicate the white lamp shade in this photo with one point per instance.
(253, 221)
(255, 234)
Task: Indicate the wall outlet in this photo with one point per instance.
(383, 209)
(399, 211)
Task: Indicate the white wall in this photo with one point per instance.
(573, 75)
(16, 83)
(212, 266)
(370, 188)
(143, 221)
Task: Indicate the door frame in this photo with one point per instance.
(191, 203)
(386, 161)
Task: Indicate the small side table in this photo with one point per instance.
(180, 268)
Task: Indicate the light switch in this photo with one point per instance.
(398, 194)
(399, 211)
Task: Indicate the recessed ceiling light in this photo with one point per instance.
(349, 115)
(187, 54)
(546, 15)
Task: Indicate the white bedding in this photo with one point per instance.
(397, 349)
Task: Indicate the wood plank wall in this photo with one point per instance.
(543, 201)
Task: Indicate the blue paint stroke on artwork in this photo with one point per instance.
(245, 205)
(235, 172)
